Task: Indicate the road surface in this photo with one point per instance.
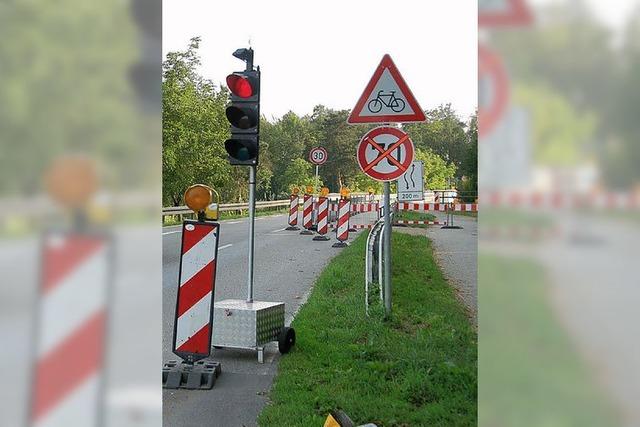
(287, 264)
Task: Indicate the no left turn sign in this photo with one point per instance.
(385, 153)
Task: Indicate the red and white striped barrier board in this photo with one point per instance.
(420, 222)
(323, 215)
(307, 208)
(426, 207)
(540, 200)
(196, 287)
(293, 210)
(364, 207)
(342, 230)
(71, 325)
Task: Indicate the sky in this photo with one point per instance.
(324, 52)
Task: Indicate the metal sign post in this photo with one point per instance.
(386, 250)
(252, 215)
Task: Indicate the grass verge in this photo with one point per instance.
(414, 216)
(419, 368)
(530, 373)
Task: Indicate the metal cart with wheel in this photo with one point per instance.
(251, 325)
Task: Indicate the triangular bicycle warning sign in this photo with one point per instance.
(387, 98)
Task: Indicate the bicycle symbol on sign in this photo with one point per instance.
(388, 100)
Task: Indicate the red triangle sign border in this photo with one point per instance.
(387, 64)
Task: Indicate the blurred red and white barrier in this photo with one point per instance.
(419, 222)
(71, 330)
(556, 200)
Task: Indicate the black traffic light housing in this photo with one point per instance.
(243, 112)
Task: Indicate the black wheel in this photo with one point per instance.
(375, 105)
(398, 105)
(286, 340)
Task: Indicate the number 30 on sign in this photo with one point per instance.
(318, 156)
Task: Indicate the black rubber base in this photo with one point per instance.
(321, 238)
(292, 228)
(201, 375)
(340, 245)
(307, 232)
(352, 230)
(451, 227)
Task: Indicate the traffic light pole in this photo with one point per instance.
(252, 214)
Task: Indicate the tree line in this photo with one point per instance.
(195, 128)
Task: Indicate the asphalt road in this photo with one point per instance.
(286, 265)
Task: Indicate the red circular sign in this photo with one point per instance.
(385, 153)
(491, 70)
(318, 156)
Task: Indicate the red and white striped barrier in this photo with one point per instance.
(441, 207)
(293, 211)
(342, 229)
(323, 219)
(71, 331)
(196, 286)
(540, 200)
(364, 207)
(323, 215)
(307, 209)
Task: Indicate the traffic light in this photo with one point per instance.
(243, 112)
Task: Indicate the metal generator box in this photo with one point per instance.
(241, 324)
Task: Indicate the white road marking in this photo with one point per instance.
(281, 229)
(234, 222)
(171, 232)
(225, 246)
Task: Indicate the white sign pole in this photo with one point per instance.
(317, 184)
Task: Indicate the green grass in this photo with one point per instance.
(530, 374)
(414, 216)
(175, 219)
(417, 369)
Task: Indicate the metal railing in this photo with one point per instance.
(374, 261)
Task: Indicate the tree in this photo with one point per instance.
(194, 128)
(438, 174)
(443, 133)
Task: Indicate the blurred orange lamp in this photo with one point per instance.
(324, 192)
(72, 180)
(309, 189)
(344, 192)
(198, 197)
(295, 191)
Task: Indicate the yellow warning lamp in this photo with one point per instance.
(309, 189)
(324, 192)
(345, 193)
(71, 180)
(212, 211)
(371, 191)
(198, 197)
(295, 191)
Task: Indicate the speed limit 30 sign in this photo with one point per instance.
(318, 156)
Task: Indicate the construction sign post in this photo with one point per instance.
(411, 184)
(386, 153)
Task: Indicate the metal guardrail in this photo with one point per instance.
(374, 261)
(184, 210)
